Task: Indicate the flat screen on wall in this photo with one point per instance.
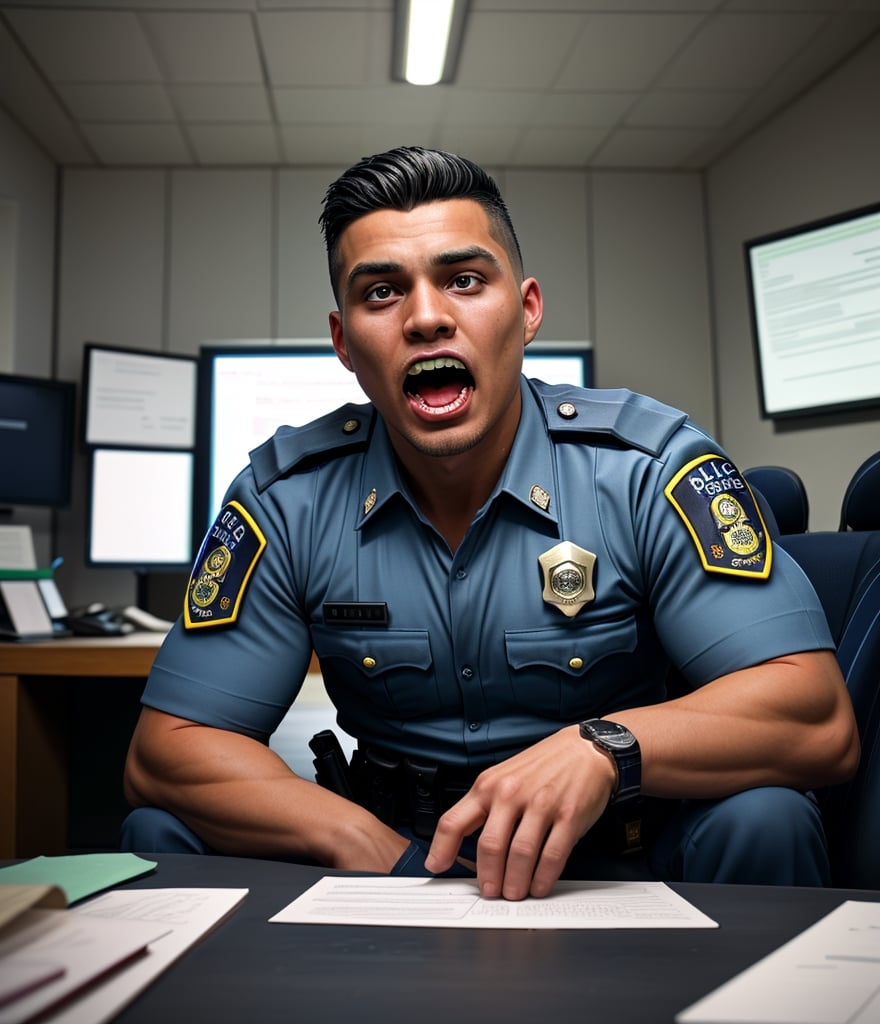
(138, 399)
(247, 391)
(814, 297)
(36, 440)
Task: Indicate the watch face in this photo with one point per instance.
(610, 734)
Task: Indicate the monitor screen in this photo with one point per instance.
(814, 298)
(247, 391)
(140, 509)
(36, 440)
(138, 399)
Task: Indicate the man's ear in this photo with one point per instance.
(337, 336)
(533, 308)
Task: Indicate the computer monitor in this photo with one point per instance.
(247, 391)
(814, 301)
(36, 440)
(138, 399)
(140, 509)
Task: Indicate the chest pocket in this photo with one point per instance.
(384, 672)
(570, 674)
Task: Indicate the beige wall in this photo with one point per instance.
(820, 157)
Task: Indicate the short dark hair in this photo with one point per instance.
(402, 179)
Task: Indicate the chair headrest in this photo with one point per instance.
(860, 509)
(786, 495)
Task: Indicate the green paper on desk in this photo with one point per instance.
(78, 875)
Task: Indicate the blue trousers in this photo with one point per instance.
(765, 836)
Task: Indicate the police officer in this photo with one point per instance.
(497, 576)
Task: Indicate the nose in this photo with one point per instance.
(428, 314)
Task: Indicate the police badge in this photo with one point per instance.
(568, 577)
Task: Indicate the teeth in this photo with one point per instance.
(444, 363)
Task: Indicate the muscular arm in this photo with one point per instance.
(242, 799)
(785, 722)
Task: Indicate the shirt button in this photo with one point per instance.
(369, 662)
(467, 672)
(576, 663)
(461, 574)
(474, 726)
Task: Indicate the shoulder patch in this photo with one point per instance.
(722, 517)
(229, 552)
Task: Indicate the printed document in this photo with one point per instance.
(456, 903)
(829, 974)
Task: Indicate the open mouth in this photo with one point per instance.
(439, 385)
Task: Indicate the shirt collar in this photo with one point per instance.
(528, 476)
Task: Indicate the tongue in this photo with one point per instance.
(440, 395)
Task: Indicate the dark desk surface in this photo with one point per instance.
(251, 971)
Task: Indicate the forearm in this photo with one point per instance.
(242, 799)
(787, 722)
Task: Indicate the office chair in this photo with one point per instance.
(786, 495)
(844, 568)
(860, 509)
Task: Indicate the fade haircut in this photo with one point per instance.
(402, 179)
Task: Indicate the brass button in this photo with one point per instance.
(576, 663)
(567, 411)
(369, 662)
(350, 426)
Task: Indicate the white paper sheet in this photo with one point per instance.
(456, 903)
(81, 949)
(829, 974)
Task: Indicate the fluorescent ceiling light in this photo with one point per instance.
(427, 40)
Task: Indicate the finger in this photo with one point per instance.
(554, 856)
(493, 850)
(461, 820)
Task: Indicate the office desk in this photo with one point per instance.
(250, 970)
(35, 681)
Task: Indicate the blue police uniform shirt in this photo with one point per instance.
(468, 657)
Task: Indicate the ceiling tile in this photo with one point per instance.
(223, 144)
(515, 51)
(86, 46)
(311, 47)
(694, 108)
(26, 96)
(649, 148)
(739, 51)
(582, 109)
(625, 51)
(558, 147)
(122, 101)
(236, 103)
(482, 106)
(205, 47)
(138, 144)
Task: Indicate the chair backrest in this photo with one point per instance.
(786, 495)
(860, 508)
(845, 571)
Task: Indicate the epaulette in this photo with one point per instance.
(345, 430)
(634, 420)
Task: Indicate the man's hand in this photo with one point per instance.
(533, 808)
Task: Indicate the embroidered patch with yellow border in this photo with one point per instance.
(722, 517)
(222, 569)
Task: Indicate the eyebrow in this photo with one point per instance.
(448, 258)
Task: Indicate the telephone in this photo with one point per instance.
(96, 620)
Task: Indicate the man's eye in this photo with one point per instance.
(465, 281)
(379, 292)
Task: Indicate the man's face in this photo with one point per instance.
(434, 321)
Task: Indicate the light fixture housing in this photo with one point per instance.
(427, 40)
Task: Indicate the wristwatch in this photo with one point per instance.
(620, 743)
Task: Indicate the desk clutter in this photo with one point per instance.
(32, 608)
(84, 963)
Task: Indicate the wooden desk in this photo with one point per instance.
(34, 703)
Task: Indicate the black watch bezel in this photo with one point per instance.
(620, 743)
